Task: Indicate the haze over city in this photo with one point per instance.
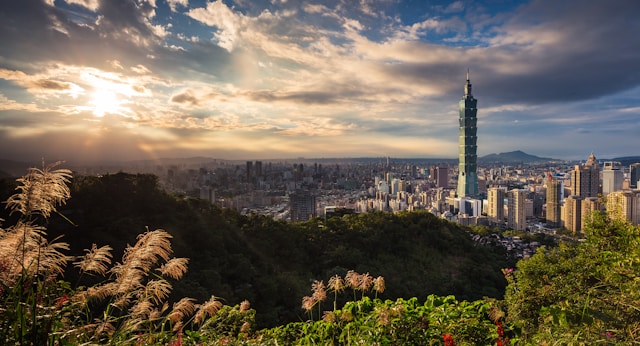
(94, 80)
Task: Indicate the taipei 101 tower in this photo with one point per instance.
(467, 144)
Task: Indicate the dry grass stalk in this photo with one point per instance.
(184, 307)
(208, 309)
(156, 291)
(25, 250)
(141, 309)
(174, 268)
(40, 191)
(96, 260)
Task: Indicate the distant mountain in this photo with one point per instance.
(626, 160)
(513, 157)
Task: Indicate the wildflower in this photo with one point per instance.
(448, 339)
(244, 306)
(61, 301)
(378, 284)
(308, 303)
(366, 281)
(319, 291)
(329, 317)
(336, 283)
(353, 279)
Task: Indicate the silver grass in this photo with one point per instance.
(184, 307)
(174, 268)
(40, 191)
(156, 291)
(208, 309)
(96, 260)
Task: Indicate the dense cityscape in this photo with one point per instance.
(514, 190)
(536, 194)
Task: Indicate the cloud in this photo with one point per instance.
(173, 4)
(335, 71)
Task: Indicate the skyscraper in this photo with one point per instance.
(634, 175)
(467, 144)
(585, 179)
(554, 201)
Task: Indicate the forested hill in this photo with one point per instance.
(272, 263)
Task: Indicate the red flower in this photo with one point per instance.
(60, 301)
(500, 329)
(448, 339)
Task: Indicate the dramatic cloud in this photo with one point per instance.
(268, 79)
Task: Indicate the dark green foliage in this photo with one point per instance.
(585, 293)
(271, 263)
(399, 322)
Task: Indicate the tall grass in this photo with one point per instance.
(129, 305)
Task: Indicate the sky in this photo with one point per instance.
(111, 80)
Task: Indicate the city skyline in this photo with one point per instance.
(94, 80)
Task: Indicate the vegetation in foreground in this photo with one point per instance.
(573, 294)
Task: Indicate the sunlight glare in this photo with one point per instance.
(104, 101)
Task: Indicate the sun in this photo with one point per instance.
(104, 101)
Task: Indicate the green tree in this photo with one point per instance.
(587, 292)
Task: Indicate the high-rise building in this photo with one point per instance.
(249, 170)
(585, 179)
(572, 213)
(634, 175)
(624, 205)
(495, 204)
(467, 144)
(554, 201)
(442, 176)
(516, 209)
(612, 177)
(258, 168)
(302, 205)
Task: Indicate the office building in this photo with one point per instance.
(585, 179)
(612, 177)
(442, 176)
(467, 144)
(302, 205)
